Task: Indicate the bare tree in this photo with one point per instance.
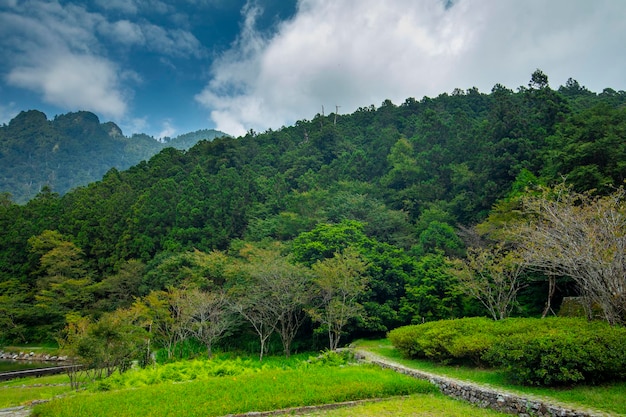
(163, 318)
(273, 297)
(492, 275)
(291, 288)
(251, 302)
(581, 236)
(209, 317)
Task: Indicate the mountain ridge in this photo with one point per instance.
(71, 150)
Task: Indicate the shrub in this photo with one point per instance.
(562, 352)
(554, 351)
(405, 340)
(445, 341)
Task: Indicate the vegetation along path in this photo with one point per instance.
(484, 396)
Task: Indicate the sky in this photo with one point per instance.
(170, 67)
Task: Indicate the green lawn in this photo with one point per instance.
(411, 406)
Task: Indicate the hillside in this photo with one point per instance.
(71, 150)
(396, 182)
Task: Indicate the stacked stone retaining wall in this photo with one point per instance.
(31, 356)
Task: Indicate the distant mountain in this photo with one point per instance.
(73, 149)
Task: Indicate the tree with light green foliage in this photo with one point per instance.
(340, 282)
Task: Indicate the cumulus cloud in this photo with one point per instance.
(358, 52)
(53, 50)
(63, 51)
(75, 82)
(167, 130)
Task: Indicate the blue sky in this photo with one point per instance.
(170, 67)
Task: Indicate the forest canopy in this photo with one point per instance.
(394, 192)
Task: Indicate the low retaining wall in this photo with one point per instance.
(31, 356)
(485, 397)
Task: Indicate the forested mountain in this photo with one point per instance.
(71, 150)
(400, 183)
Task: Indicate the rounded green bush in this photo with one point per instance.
(548, 352)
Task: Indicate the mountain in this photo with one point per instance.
(71, 150)
(401, 183)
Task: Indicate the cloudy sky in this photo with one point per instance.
(169, 67)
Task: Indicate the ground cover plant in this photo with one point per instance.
(240, 387)
(544, 352)
(608, 397)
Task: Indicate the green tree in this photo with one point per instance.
(102, 347)
(340, 282)
(492, 275)
(432, 292)
(63, 285)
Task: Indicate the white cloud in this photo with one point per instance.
(124, 6)
(74, 82)
(125, 32)
(359, 52)
(167, 129)
(53, 50)
(7, 112)
(63, 52)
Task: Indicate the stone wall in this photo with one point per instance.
(486, 397)
(31, 356)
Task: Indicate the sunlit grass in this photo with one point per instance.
(267, 390)
(420, 405)
(23, 391)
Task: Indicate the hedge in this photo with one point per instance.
(548, 352)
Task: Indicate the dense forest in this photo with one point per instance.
(391, 193)
(71, 150)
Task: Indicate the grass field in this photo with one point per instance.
(410, 406)
(234, 385)
(260, 391)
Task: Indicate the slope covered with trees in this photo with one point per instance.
(71, 150)
(373, 205)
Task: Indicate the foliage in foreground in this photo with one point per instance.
(547, 352)
(267, 390)
(196, 370)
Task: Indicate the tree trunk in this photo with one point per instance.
(551, 291)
